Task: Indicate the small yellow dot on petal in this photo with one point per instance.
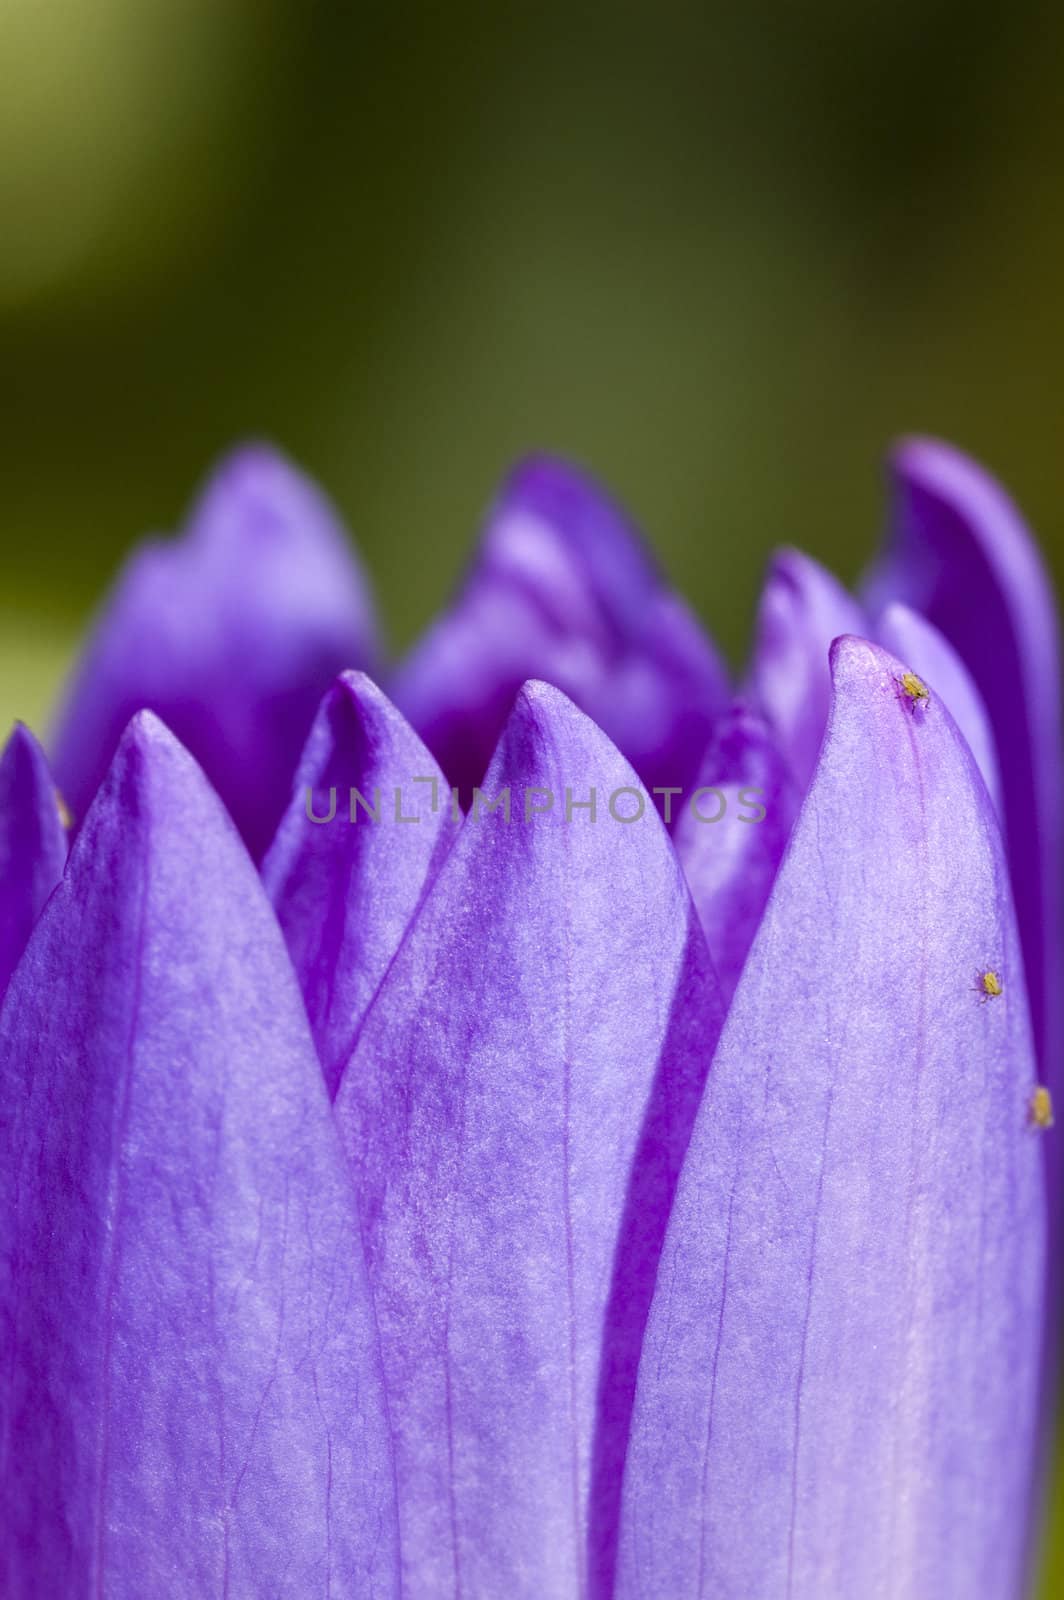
(990, 984)
(915, 688)
(63, 809)
(1041, 1108)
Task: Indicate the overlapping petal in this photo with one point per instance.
(585, 1324)
(346, 875)
(837, 1392)
(914, 640)
(731, 835)
(959, 552)
(190, 1397)
(803, 608)
(231, 634)
(515, 1111)
(33, 844)
(563, 589)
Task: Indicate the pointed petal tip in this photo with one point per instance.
(33, 842)
(231, 631)
(537, 697)
(857, 661)
(803, 607)
(356, 701)
(539, 718)
(252, 478)
(362, 690)
(852, 657)
(146, 725)
(248, 454)
(24, 762)
(547, 709)
(541, 474)
(803, 572)
(248, 464)
(929, 460)
(23, 742)
(580, 510)
(799, 570)
(923, 465)
(860, 668)
(539, 465)
(796, 585)
(789, 564)
(153, 774)
(948, 483)
(147, 734)
(257, 488)
(912, 453)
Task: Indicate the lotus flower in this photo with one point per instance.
(545, 1126)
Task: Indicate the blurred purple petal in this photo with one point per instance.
(190, 1401)
(959, 552)
(231, 634)
(731, 863)
(803, 608)
(33, 843)
(344, 889)
(910, 637)
(564, 589)
(837, 1394)
(516, 1111)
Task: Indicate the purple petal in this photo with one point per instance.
(910, 637)
(33, 843)
(516, 1111)
(959, 552)
(231, 634)
(731, 835)
(563, 589)
(837, 1393)
(345, 889)
(803, 608)
(190, 1402)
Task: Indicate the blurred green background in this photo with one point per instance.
(720, 254)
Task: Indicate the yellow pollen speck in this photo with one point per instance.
(64, 811)
(1041, 1108)
(990, 984)
(915, 688)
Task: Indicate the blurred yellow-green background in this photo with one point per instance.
(721, 254)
